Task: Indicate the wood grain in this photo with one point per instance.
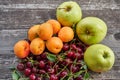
(17, 16)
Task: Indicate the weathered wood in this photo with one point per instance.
(17, 16)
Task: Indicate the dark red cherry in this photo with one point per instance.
(27, 71)
(32, 77)
(20, 66)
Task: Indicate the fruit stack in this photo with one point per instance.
(63, 49)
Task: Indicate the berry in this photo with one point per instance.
(29, 64)
(38, 58)
(79, 50)
(74, 69)
(77, 56)
(67, 61)
(39, 78)
(32, 77)
(44, 55)
(51, 71)
(53, 77)
(56, 68)
(27, 71)
(65, 47)
(41, 64)
(47, 67)
(79, 63)
(70, 54)
(73, 47)
(20, 66)
(82, 56)
(34, 70)
(63, 74)
(42, 71)
(50, 63)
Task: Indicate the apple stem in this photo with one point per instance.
(67, 9)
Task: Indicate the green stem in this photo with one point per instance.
(55, 64)
(70, 76)
(62, 70)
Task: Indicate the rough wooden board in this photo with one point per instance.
(16, 16)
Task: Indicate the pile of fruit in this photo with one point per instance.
(63, 49)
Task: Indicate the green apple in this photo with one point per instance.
(91, 30)
(99, 58)
(68, 13)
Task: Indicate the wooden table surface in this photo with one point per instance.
(16, 16)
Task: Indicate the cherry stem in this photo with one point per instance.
(62, 69)
(55, 64)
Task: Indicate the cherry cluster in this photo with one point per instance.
(67, 65)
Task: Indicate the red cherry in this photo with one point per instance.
(44, 55)
(56, 68)
(34, 70)
(77, 56)
(20, 66)
(47, 67)
(53, 77)
(63, 74)
(79, 50)
(79, 63)
(82, 56)
(70, 54)
(39, 78)
(68, 61)
(74, 69)
(38, 58)
(73, 47)
(41, 71)
(50, 63)
(27, 71)
(32, 77)
(29, 64)
(65, 47)
(41, 64)
(51, 71)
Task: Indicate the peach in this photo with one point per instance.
(54, 45)
(66, 34)
(45, 31)
(37, 46)
(32, 32)
(22, 49)
(55, 24)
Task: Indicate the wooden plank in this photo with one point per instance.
(9, 37)
(23, 19)
(23, 14)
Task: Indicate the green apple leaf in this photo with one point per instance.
(51, 57)
(86, 76)
(78, 73)
(84, 67)
(15, 75)
(68, 78)
(12, 68)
